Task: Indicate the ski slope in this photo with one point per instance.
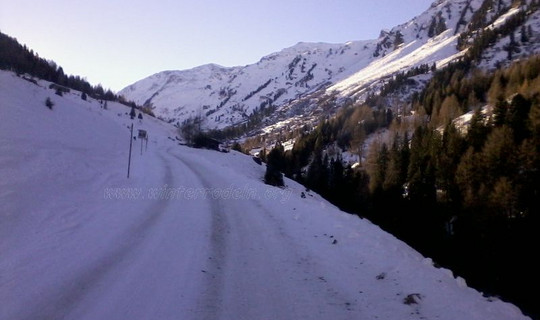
(193, 234)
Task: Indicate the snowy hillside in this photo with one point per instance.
(227, 96)
(418, 45)
(193, 234)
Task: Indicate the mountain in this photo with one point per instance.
(227, 96)
(289, 83)
(192, 234)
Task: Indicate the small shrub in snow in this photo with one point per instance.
(49, 103)
(237, 147)
(58, 89)
(413, 298)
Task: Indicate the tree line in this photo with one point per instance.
(22, 60)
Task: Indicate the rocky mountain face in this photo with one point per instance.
(296, 81)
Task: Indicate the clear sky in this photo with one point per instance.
(117, 42)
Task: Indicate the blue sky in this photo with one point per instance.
(116, 43)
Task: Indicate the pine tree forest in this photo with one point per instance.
(467, 195)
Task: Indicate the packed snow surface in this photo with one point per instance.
(192, 234)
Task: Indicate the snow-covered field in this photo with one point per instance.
(193, 234)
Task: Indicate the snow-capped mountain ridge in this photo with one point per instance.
(230, 94)
(227, 96)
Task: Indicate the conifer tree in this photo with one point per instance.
(528, 178)
(337, 182)
(274, 165)
(452, 148)
(394, 177)
(448, 111)
(524, 34)
(534, 121)
(518, 114)
(377, 163)
(503, 199)
(317, 175)
(478, 131)
(497, 88)
(468, 177)
(421, 172)
(132, 114)
(398, 40)
(500, 112)
(499, 156)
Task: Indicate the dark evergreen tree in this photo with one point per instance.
(317, 174)
(441, 26)
(518, 114)
(132, 113)
(452, 148)
(393, 177)
(511, 47)
(262, 155)
(478, 130)
(524, 34)
(398, 40)
(337, 191)
(499, 156)
(500, 113)
(378, 168)
(421, 172)
(274, 165)
(469, 176)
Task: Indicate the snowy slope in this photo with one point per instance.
(498, 56)
(193, 234)
(418, 47)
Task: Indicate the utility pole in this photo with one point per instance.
(130, 144)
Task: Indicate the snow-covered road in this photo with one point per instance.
(191, 255)
(193, 234)
(255, 268)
